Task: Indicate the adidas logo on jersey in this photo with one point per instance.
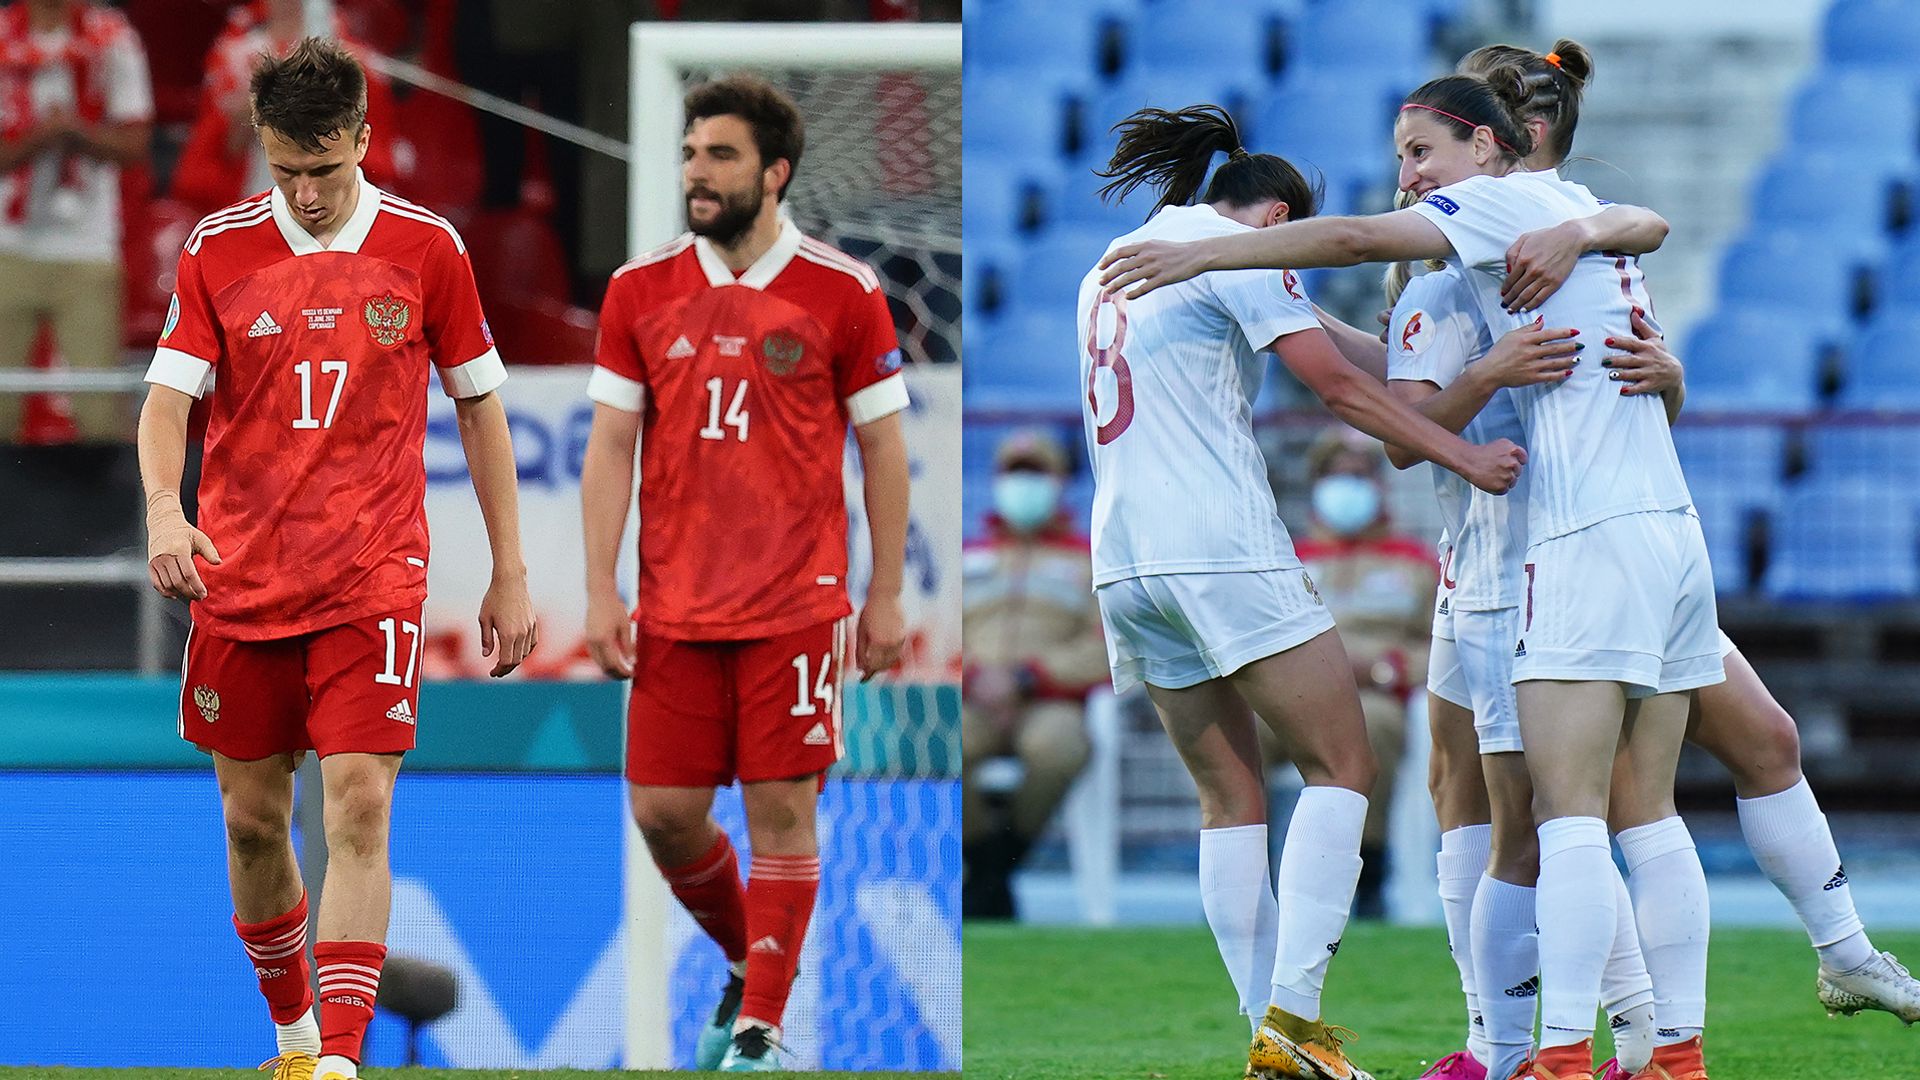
(768, 944)
(817, 735)
(680, 349)
(1530, 988)
(401, 712)
(1837, 881)
(263, 326)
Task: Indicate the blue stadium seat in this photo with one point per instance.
(1830, 194)
(1107, 107)
(1844, 539)
(1856, 114)
(1898, 284)
(1877, 32)
(1029, 358)
(1211, 38)
(1048, 277)
(1789, 269)
(1339, 123)
(1723, 522)
(1742, 462)
(1036, 41)
(1754, 360)
(1073, 200)
(1881, 370)
(1888, 452)
(1026, 122)
(993, 196)
(1388, 34)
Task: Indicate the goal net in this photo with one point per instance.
(879, 976)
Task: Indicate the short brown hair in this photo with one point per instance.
(777, 129)
(314, 92)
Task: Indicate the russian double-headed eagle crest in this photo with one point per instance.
(782, 352)
(388, 319)
(207, 701)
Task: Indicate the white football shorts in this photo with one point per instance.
(1627, 600)
(1475, 671)
(1179, 630)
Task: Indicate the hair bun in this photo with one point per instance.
(1574, 61)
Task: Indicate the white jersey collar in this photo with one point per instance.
(351, 235)
(764, 269)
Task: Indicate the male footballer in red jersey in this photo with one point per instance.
(308, 317)
(744, 349)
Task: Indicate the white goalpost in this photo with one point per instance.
(880, 178)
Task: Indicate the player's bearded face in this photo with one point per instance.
(318, 187)
(1432, 153)
(723, 216)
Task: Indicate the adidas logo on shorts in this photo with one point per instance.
(680, 349)
(401, 712)
(817, 735)
(1445, 604)
(768, 944)
(1837, 881)
(263, 326)
(1521, 648)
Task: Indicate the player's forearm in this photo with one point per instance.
(606, 492)
(121, 144)
(1363, 350)
(1367, 406)
(1674, 398)
(883, 461)
(1635, 230)
(162, 439)
(489, 447)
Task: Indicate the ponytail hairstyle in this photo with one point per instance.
(1171, 151)
(1401, 273)
(1467, 102)
(1554, 82)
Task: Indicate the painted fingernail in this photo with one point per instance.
(1579, 345)
(1609, 341)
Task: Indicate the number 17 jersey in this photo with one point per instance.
(746, 384)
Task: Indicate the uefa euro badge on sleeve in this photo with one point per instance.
(387, 320)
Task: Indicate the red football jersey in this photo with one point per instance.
(747, 385)
(316, 359)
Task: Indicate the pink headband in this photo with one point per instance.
(1462, 120)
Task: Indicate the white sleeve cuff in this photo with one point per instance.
(180, 371)
(612, 388)
(884, 398)
(481, 375)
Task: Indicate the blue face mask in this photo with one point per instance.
(1026, 500)
(1346, 504)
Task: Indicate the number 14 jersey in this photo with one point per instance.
(314, 362)
(746, 385)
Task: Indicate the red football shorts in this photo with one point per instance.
(352, 688)
(704, 713)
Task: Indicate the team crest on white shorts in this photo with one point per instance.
(1306, 581)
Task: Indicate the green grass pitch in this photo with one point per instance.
(1155, 1004)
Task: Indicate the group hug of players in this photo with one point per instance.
(304, 324)
(1576, 642)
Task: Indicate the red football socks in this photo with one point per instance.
(278, 948)
(780, 894)
(349, 981)
(709, 888)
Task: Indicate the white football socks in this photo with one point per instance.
(1506, 965)
(1576, 916)
(1626, 990)
(1319, 869)
(1670, 901)
(1237, 895)
(300, 1037)
(1790, 840)
(1461, 863)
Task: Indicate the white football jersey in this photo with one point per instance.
(1180, 485)
(1436, 331)
(1594, 454)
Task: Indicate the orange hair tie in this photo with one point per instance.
(1552, 58)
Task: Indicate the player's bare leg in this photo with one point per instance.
(1307, 697)
(355, 902)
(269, 902)
(1667, 887)
(1213, 731)
(1571, 730)
(1740, 724)
(781, 887)
(698, 862)
(1460, 803)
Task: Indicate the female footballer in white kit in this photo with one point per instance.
(1617, 618)
(1201, 595)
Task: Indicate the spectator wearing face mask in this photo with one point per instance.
(1034, 652)
(1379, 586)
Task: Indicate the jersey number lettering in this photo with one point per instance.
(1109, 358)
(391, 677)
(822, 687)
(736, 410)
(336, 368)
